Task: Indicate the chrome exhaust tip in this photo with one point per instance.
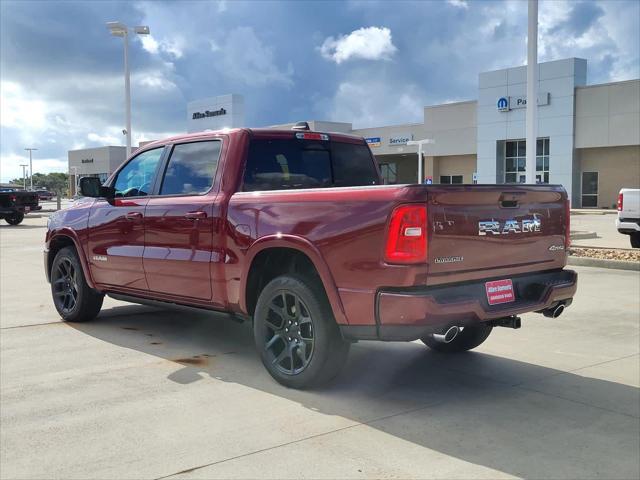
(557, 311)
(448, 336)
(554, 312)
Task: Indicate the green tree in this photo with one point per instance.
(55, 182)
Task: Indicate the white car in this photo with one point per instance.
(628, 221)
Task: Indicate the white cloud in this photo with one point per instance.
(150, 44)
(105, 139)
(154, 80)
(10, 165)
(458, 3)
(173, 47)
(370, 43)
(371, 103)
(20, 110)
(246, 58)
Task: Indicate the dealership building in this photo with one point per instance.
(588, 135)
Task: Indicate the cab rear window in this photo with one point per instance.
(281, 164)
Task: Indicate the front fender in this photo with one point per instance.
(304, 246)
(64, 232)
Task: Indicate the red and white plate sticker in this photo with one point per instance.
(499, 291)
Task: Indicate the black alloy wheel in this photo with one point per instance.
(74, 300)
(289, 333)
(65, 286)
(296, 334)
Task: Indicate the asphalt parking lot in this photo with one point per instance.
(148, 393)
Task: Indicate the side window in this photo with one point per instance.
(137, 177)
(191, 168)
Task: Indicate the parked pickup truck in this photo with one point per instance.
(628, 221)
(14, 204)
(294, 231)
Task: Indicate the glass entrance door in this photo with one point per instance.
(589, 189)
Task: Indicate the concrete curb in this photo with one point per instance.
(584, 235)
(602, 263)
(593, 212)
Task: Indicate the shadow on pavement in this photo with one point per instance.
(515, 417)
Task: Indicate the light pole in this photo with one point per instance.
(420, 144)
(532, 92)
(119, 29)
(24, 175)
(31, 167)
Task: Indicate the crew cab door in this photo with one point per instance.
(179, 222)
(116, 226)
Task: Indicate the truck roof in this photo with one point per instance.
(254, 132)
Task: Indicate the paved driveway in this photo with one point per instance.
(147, 393)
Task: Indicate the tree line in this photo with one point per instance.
(54, 182)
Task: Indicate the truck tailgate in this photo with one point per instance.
(490, 231)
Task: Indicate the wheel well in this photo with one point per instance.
(55, 246)
(271, 263)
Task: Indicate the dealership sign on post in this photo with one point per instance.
(505, 104)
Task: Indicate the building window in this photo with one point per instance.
(542, 160)
(388, 172)
(589, 189)
(449, 179)
(515, 161)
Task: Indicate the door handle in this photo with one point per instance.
(133, 216)
(195, 215)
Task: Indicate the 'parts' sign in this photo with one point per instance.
(505, 104)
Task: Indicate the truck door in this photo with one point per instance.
(179, 223)
(116, 226)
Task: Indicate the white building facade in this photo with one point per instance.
(215, 113)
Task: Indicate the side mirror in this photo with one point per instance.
(92, 187)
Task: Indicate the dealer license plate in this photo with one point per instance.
(499, 291)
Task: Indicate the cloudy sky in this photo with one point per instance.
(370, 63)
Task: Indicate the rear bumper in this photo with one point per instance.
(627, 225)
(409, 314)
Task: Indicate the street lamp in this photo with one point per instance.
(119, 29)
(532, 92)
(24, 175)
(31, 167)
(420, 144)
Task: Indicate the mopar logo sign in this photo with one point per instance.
(505, 104)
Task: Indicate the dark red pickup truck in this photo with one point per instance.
(295, 231)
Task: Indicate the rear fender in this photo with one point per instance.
(304, 246)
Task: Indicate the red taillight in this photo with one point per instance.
(13, 198)
(567, 216)
(620, 201)
(407, 236)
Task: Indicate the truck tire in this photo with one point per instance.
(469, 338)
(296, 334)
(74, 300)
(635, 240)
(15, 218)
